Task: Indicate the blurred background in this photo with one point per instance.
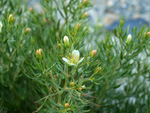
(109, 11)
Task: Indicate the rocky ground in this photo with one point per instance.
(111, 10)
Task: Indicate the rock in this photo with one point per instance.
(109, 18)
(129, 23)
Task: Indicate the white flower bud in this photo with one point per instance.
(129, 38)
(1, 25)
(66, 41)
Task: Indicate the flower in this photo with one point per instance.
(74, 59)
(83, 86)
(129, 38)
(1, 25)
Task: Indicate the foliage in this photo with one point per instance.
(46, 64)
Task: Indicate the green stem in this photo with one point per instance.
(59, 98)
(59, 94)
(66, 75)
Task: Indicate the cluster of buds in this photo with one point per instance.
(11, 18)
(1, 25)
(129, 38)
(93, 53)
(66, 41)
(39, 53)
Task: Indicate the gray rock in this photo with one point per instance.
(129, 23)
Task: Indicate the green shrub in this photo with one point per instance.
(46, 64)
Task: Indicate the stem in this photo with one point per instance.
(66, 76)
(59, 98)
(59, 94)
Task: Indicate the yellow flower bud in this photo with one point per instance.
(39, 53)
(93, 53)
(84, 1)
(31, 9)
(79, 88)
(98, 70)
(72, 84)
(11, 19)
(80, 6)
(27, 30)
(148, 33)
(59, 45)
(77, 27)
(67, 105)
(84, 15)
(121, 23)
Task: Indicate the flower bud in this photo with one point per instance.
(84, 15)
(27, 30)
(31, 9)
(121, 23)
(77, 27)
(11, 19)
(100, 25)
(79, 88)
(98, 70)
(84, 1)
(66, 41)
(67, 105)
(1, 25)
(129, 38)
(39, 53)
(93, 53)
(59, 45)
(148, 33)
(80, 6)
(72, 84)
